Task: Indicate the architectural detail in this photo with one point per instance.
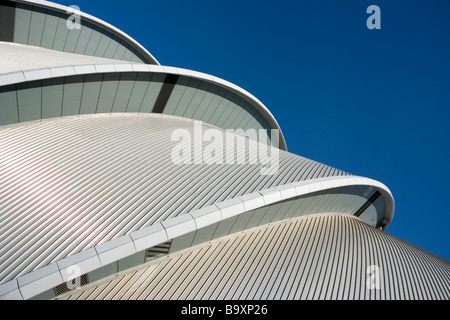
(92, 205)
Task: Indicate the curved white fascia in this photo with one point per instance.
(45, 278)
(234, 88)
(71, 70)
(95, 20)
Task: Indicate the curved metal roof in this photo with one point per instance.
(87, 120)
(71, 183)
(44, 23)
(318, 257)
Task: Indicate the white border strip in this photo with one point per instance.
(43, 279)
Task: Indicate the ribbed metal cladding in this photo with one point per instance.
(323, 257)
(68, 184)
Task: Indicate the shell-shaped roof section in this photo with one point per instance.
(53, 26)
(284, 261)
(129, 87)
(68, 184)
(39, 47)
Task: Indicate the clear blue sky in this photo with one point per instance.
(372, 102)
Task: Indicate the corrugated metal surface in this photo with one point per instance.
(71, 183)
(315, 257)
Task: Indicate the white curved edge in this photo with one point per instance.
(45, 278)
(62, 71)
(95, 20)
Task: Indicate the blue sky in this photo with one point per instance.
(374, 103)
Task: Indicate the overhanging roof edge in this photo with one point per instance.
(189, 222)
(96, 21)
(48, 73)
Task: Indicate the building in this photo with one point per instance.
(115, 183)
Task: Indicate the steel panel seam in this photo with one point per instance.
(96, 21)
